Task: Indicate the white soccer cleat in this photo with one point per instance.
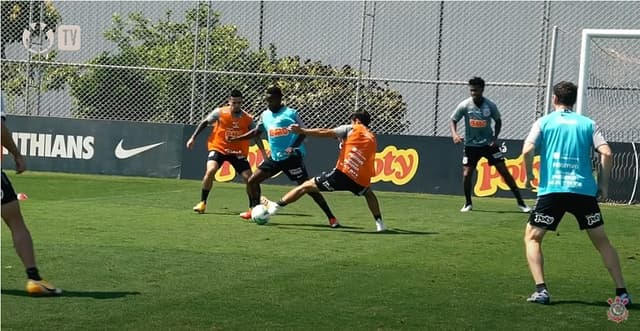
(524, 208)
(466, 208)
(380, 226)
(272, 207)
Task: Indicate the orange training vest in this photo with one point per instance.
(358, 154)
(230, 126)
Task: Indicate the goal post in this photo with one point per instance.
(585, 59)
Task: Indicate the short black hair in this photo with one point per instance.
(566, 92)
(235, 93)
(275, 91)
(363, 116)
(476, 81)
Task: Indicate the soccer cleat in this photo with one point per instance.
(246, 215)
(542, 297)
(466, 208)
(333, 222)
(200, 207)
(524, 208)
(380, 226)
(272, 207)
(42, 288)
(626, 296)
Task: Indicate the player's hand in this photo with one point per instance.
(21, 164)
(603, 193)
(295, 128)
(190, 143)
(289, 150)
(528, 182)
(457, 139)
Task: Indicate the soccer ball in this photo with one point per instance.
(260, 214)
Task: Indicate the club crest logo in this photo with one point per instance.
(617, 310)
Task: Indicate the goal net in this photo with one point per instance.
(609, 93)
(609, 82)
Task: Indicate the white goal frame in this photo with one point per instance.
(585, 58)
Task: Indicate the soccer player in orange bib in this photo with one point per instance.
(354, 168)
(230, 121)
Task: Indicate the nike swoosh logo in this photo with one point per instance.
(122, 153)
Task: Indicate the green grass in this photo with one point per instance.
(131, 255)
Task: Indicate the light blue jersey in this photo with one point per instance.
(277, 127)
(565, 141)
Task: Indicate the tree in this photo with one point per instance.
(154, 94)
(15, 19)
(163, 95)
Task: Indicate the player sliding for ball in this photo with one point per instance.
(354, 168)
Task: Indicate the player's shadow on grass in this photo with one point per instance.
(498, 211)
(394, 231)
(77, 294)
(317, 226)
(345, 228)
(633, 306)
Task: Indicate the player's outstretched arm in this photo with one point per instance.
(527, 153)
(248, 135)
(316, 132)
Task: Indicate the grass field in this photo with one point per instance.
(131, 255)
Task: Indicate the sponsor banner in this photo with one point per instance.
(403, 163)
(97, 147)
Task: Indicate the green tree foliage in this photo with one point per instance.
(15, 19)
(158, 92)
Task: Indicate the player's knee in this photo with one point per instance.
(533, 234)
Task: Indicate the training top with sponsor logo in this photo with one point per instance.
(277, 127)
(565, 140)
(477, 121)
(357, 154)
(228, 125)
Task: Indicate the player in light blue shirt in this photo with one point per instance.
(287, 151)
(565, 141)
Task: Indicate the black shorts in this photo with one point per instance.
(238, 162)
(472, 155)
(551, 207)
(336, 180)
(292, 166)
(8, 193)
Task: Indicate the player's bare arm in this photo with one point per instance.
(496, 131)
(248, 135)
(203, 125)
(454, 132)
(527, 153)
(10, 145)
(606, 163)
(317, 132)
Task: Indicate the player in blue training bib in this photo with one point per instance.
(566, 184)
(287, 151)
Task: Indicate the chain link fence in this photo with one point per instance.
(406, 62)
